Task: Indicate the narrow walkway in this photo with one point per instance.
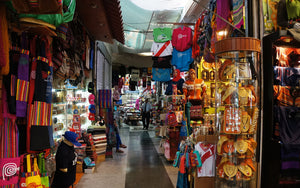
(145, 168)
(139, 166)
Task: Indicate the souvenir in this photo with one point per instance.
(230, 169)
(241, 146)
(232, 120)
(245, 169)
(245, 122)
(220, 143)
(228, 147)
(249, 162)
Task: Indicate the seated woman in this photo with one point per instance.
(178, 81)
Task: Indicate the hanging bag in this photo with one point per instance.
(33, 179)
(44, 173)
(9, 171)
(22, 180)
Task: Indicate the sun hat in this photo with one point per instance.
(72, 137)
(91, 116)
(220, 143)
(92, 108)
(92, 99)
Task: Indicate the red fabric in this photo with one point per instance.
(178, 77)
(182, 38)
(196, 47)
(160, 51)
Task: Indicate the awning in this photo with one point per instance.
(102, 18)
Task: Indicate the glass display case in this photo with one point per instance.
(70, 110)
(237, 101)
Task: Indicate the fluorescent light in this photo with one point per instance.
(160, 4)
(145, 54)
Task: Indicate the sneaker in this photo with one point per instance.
(123, 146)
(119, 151)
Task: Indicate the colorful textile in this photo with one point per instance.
(162, 75)
(293, 9)
(162, 34)
(238, 13)
(10, 171)
(161, 49)
(182, 60)
(287, 96)
(286, 76)
(197, 32)
(182, 38)
(4, 41)
(207, 152)
(289, 124)
(23, 80)
(105, 98)
(162, 62)
(223, 10)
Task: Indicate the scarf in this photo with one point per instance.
(178, 77)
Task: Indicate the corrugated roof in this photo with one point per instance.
(114, 18)
(102, 18)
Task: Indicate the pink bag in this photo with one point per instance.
(10, 168)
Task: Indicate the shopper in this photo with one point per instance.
(117, 115)
(119, 142)
(66, 159)
(146, 107)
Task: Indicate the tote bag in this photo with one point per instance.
(10, 168)
(33, 179)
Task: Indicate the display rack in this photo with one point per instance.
(237, 111)
(65, 101)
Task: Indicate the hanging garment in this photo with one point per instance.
(4, 41)
(182, 38)
(162, 75)
(289, 124)
(161, 49)
(197, 33)
(162, 62)
(287, 96)
(22, 88)
(207, 152)
(238, 20)
(286, 76)
(10, 81)
(293, 9)
(182, 60)
(162, 35)
(194, 89)
(179, 84)
(55, 19)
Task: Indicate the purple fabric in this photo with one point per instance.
(223, 10)
(290, 165)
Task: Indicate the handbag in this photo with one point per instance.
(22, 180)
(44, 173)
(33, 179)
(9, 171)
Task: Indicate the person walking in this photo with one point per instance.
(146, 107)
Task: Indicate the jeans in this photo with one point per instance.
(146, 116)
(119, 142)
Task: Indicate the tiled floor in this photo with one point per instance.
(141, 165)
